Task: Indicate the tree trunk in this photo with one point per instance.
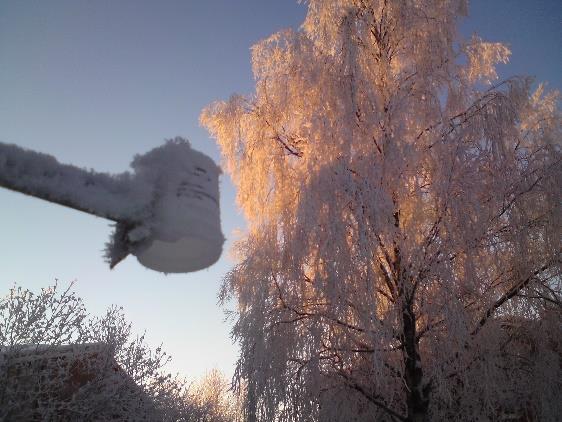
(417, 395)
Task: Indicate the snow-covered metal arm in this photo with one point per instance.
(166, 211)
(42, 176)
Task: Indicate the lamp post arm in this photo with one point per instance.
(114, 197)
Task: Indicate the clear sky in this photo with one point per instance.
(95, 82)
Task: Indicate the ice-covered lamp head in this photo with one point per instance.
(184, 221)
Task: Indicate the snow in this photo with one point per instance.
(167, 210)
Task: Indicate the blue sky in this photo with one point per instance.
(95, 82)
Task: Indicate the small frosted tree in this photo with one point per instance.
(402, 260)
(213, 399)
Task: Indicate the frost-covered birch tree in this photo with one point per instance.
(402, 259)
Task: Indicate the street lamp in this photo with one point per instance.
(166, 212)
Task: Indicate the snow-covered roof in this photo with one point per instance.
(30, 352)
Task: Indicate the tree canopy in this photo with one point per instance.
(402, 259)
